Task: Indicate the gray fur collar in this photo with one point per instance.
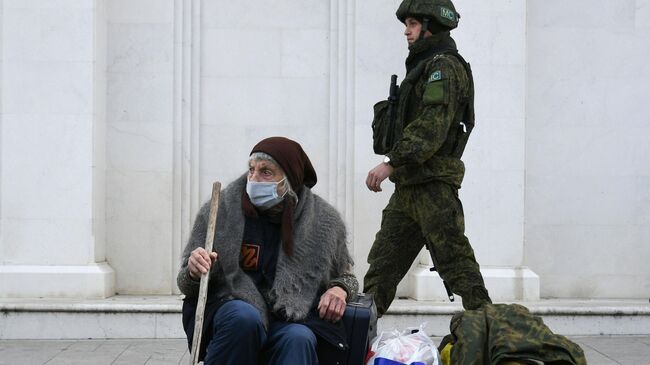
(320, 253)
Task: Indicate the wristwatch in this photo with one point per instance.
(386, 159)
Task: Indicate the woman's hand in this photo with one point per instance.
(200, 262)
(332, 304)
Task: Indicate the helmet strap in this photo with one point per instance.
(425, 27)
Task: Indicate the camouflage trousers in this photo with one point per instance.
(415, 215)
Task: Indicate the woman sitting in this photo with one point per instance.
(280, 273)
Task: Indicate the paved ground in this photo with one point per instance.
(600, 350)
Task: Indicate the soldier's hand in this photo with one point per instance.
(377, 175)
(332, 304)
(200, 262)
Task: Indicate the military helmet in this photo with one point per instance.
(442, 12)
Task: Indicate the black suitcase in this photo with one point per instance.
(360, 321)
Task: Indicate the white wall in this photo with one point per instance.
(492, 38)
(587, 150)
(52, 127)
(1, 114)
(264, 72)
(47, 82)
(139, 138)
(116, 116)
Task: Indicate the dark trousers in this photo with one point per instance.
(416, 215)
(239, 338)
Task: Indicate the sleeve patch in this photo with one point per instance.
(435, 76)
(435, 93)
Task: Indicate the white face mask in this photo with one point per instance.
(264, 195)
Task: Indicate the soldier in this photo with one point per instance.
(427, 127)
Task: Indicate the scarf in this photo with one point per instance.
(423, 49)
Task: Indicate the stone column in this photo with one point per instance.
(52, 150)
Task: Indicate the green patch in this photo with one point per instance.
(437, 75)
(435, 93)
(448, 14)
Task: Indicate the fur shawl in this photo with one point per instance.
(320, 255)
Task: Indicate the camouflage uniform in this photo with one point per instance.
(427, 175)
(508, 334)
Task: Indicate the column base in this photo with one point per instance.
(95, 280)
(503, 283)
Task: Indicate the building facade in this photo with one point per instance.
(117, 115)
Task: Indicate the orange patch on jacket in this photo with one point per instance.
(250, 256)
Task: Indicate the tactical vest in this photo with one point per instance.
(390, 115)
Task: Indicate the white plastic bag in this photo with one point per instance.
(404, 347)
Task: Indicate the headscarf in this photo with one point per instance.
(293, 160)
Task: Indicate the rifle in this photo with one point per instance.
(393, 98)
(450, 294)
(385, 127)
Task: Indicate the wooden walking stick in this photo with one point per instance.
(203, 288)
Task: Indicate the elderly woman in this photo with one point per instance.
(280, 273)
